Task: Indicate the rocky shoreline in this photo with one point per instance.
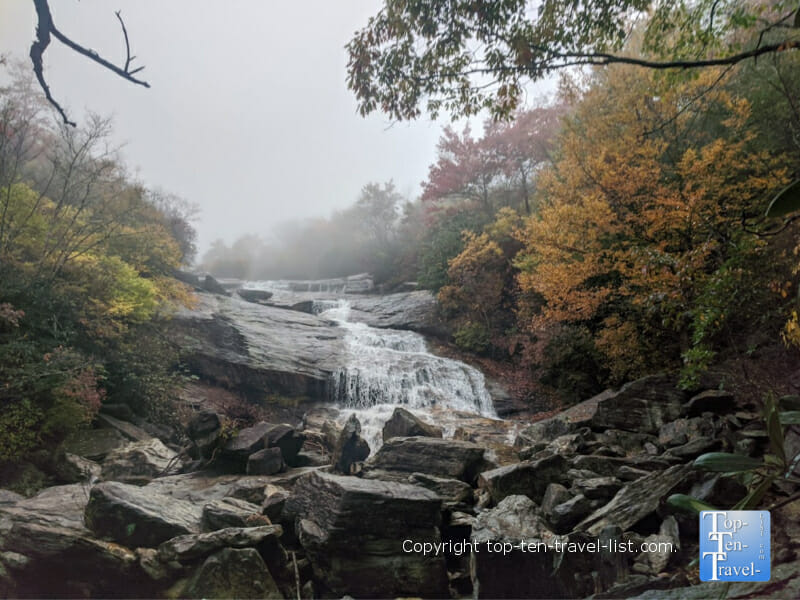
(299, 507)
(282, 512)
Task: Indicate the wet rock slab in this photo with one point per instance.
(255, 347)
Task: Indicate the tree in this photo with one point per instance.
(46, 29)
(466, 168)
(641, 237)
(463, 56)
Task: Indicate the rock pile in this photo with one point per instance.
(424, 516)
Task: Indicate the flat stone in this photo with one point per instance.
(127, 430)
(230, 512)
(186, 548)
(94, 444)
(443, 458)
(140, 462)
(598, 488)
(451, 491)
(136, 516)
(693, 449)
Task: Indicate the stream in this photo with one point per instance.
(387, 368)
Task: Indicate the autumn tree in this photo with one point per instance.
(641, 234)
(462, 56)
(86, 259)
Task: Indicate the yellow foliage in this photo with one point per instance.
(641, 207)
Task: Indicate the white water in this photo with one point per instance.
(386, 368)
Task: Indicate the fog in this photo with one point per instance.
(248, 115)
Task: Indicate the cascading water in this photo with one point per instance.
(386, 368)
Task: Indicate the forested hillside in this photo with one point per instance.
(615, 230)
(86, 262)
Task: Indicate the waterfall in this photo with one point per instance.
(385, 368)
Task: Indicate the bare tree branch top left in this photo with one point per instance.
(46, 30)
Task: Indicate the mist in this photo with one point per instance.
(248, 116)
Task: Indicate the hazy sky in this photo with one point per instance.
(248, 115)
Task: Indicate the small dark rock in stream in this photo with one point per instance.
(350, 447)
(256, 296)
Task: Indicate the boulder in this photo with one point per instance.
(554, 495)
(350, 447)
(71, 468)
(640, 406)
(135, 516)
(288, 439)
(563, 517)
(715, 401)
(453, 492)
(529, 478)
(533, 570)
(403, 423)
(140, 462)
(274, 502)
(718, 490)
(230, 512)
(257, 296)
(635, 501)
(251, 348)
(93, 444)
(213, 286)
(353, 532)
(434, 456)
(204, 429)
(597, 488)
(61, 557)
(186, 548)
(265, 462)
(232, 573)
(246, 442)
(684, 430)
(543, 431)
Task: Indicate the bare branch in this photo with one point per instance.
(45, 28)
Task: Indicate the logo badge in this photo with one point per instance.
(734, 545)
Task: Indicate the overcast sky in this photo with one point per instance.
(248, 115)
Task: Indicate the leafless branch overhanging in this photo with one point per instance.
(46, 30)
